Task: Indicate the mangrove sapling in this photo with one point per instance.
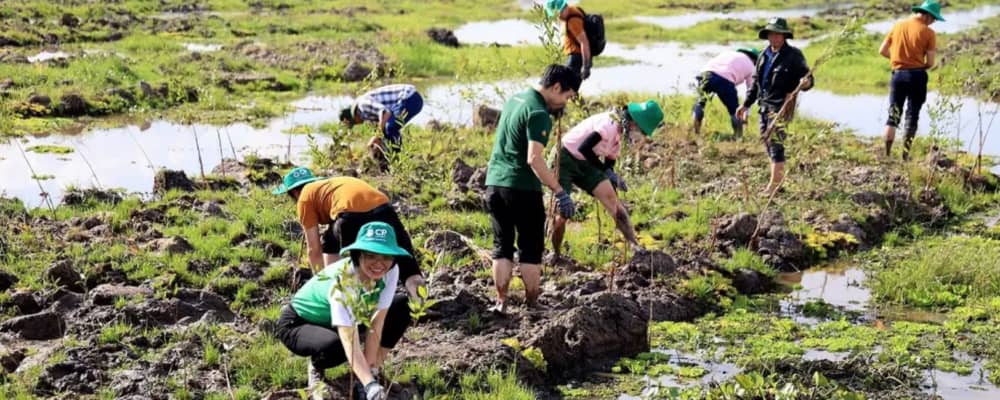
(90, 166)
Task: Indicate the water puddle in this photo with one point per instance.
(510, 32)
(715, 372)
(48, 56)
(955, 21)
(692, 19)
(952, 386)
(167, 145)
(202, 47)
(839, 286)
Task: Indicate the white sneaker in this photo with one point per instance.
(316, 384)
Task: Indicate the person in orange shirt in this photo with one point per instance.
(575, 43)
(344, 204)
(910, 47)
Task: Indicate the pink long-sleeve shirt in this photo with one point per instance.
(605, 125)
(734, 66)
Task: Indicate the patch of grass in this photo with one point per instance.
(747, 259)
(49, 149)
(939, 272)
(114, 333)
(266, 363)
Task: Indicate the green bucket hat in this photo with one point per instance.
(296, 177)
(647, 115)
(554, 7)
(753, 53)
(376, 237)
(931, 7)
(778, 25)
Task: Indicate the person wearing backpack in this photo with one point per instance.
(583, 35)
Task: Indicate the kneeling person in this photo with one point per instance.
(322, 320)
(580, 161)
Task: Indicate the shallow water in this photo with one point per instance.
(504, 32)
(202, 47)
(838, 286)
(117, 155)
(691, 19)
(955, 21)
(48, 56)
(952, 386)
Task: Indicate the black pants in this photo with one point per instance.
(344, 231)
(517, 214)
(322, 343)
(909, 86)
(575, 62)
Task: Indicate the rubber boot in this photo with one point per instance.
(737, 126)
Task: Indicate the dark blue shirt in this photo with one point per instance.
(769, 57)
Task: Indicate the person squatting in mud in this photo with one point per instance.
(322, 320)
(910, 47)
(781, 68)
(720, 76)
(390, 107)
(587, 160)
(514, 178)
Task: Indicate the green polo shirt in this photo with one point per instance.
(321, 303)
(524, 118)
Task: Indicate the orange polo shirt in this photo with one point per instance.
(909, 42)
(574, 27)
(321, 201)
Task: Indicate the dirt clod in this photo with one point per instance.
(63, 274)
(45, 325)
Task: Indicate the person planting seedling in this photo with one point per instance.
(720, 76)
(587, 160)
(514, 178)
(390, 107)
(349, 299)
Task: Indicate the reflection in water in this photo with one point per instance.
(838, 285)
(952, 386)
(955, 21)
(717, 372)
(202, 48)
(48, 56)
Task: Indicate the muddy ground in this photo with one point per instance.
(591, 316)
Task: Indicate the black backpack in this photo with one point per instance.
(593, 25)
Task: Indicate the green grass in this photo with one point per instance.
(939, 272)
(630, 31)
(50, 149)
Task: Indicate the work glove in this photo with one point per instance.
(585, 72)
(374, 391)
(616, 181)
(565, 203)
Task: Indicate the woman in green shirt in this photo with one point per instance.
(322, 320)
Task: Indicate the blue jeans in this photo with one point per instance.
(402, 112)
(708, 83)
(909, 86)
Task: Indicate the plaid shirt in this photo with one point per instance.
(371, 105)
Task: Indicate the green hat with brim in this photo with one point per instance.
(554, 7)
(296, 177)
(753, 53)
(647, 115)
(376, 237)
(931, 7)
(777, 25)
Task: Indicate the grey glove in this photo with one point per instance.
(374, 391)
(616, 180)
(585, 72)
(565, 203)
